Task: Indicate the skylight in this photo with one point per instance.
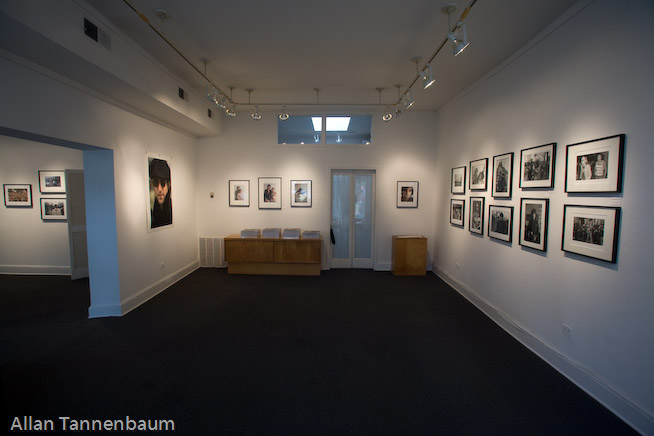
(334, 124)
(317, 123)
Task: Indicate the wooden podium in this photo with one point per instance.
(409, 255)
(272, 256)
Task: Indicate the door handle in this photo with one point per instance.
(331, 236)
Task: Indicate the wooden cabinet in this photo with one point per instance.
(409, 256)
(272, 256)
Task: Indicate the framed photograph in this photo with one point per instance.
(160, 204)
(18, 195)
(457, 209)
(52, 182)
(239, 193)
(458, 184)
(270, 192)
(591, 231)
(537, 166)
(502, 175)
(476, 220)
(407, 194)
(53, 209)
(595, 166)
(533, 223)
(300, 193)
(500, 222)
(478, 174)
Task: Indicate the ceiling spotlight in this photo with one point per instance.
(221, 103)
(284, 115)
(388, 115)
(256, 115)
(459, 36)
(408, 99)
(230, 112)
(427, 77)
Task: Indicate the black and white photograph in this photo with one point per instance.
(502, 175)
(53, 209)
(595, 166)
(160, 205)
(270, 192)
(407, 194)
(458, 183)
(239, 193)
(591, 231)
(537, 166)
(52, 182)
(500, 222)
(457, 209)
(18, 195)
(533, 223)
(300, 193)
(476, 221)
(478, 174)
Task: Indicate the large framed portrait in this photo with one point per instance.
(18, 195)
(54, 209)
(476, 220)
(457, 209)
(52, 182)
(407, 194)
(160, 204)
(458, 183)
(300, 193)
(533, 223)
(500, 222)
(537, 166)
(595, 166)
(591, 231)
(502, 175)
(239, 193)
(270, 192)
(478, 174)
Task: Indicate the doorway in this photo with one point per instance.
(352, 218)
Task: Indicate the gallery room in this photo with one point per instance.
(191, 242)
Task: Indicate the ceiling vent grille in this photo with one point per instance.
(96, 34)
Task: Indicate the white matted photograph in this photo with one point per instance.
(458, 182)
(457, 210)
(239, 193)
(537, 166)
(18, 195)
(500, 222)
(533, 223)
(53, 209)
(300, 193)
(595, 166)
(476, 220)
(407, 194)
(591, 231)
(270, 192)
(502, 175)
(478, 174)
(52, 182)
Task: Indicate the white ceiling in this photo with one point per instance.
(284, 49)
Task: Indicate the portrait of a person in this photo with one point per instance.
(161, 210)
(268, 194)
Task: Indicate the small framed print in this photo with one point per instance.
(478, 174)
(407, 194)
(591, 231)
(476, 221)
(537, 166)
(18, 195)
(300, 193)
(239, 193)
(595, 166)
(502, 175)
(457, 209)
(500, 222)
(52, 182)
(458, 183)
(53, 209)
(270, 193)
(533, 223)
(159, 196)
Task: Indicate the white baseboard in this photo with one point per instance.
(35, 270)
(584, 378)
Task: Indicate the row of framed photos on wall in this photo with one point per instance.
(50, 183)
(591, 166)
(270, 193)
(590, 231)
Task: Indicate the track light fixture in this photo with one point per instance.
(256, 116)
(427, 77)
(284, 115)
(459, 35)
(407, 99)
(230, 112)
(388, 115)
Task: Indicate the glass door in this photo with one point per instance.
(352, 223)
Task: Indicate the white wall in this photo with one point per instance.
(588, 76)
(402, 150)
(71, 114)
(30, 245)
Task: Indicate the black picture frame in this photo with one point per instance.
(595, 165)
(457, 212)
(476, 215)
(591, 231)
(478, 178)
(301, 193)
(407, 194)
(534, 214)
(18, 195)
(500, 222)
(502, 184)
(537, 166)
(458, 180)
(239, 193)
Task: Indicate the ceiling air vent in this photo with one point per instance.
(96, 34)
